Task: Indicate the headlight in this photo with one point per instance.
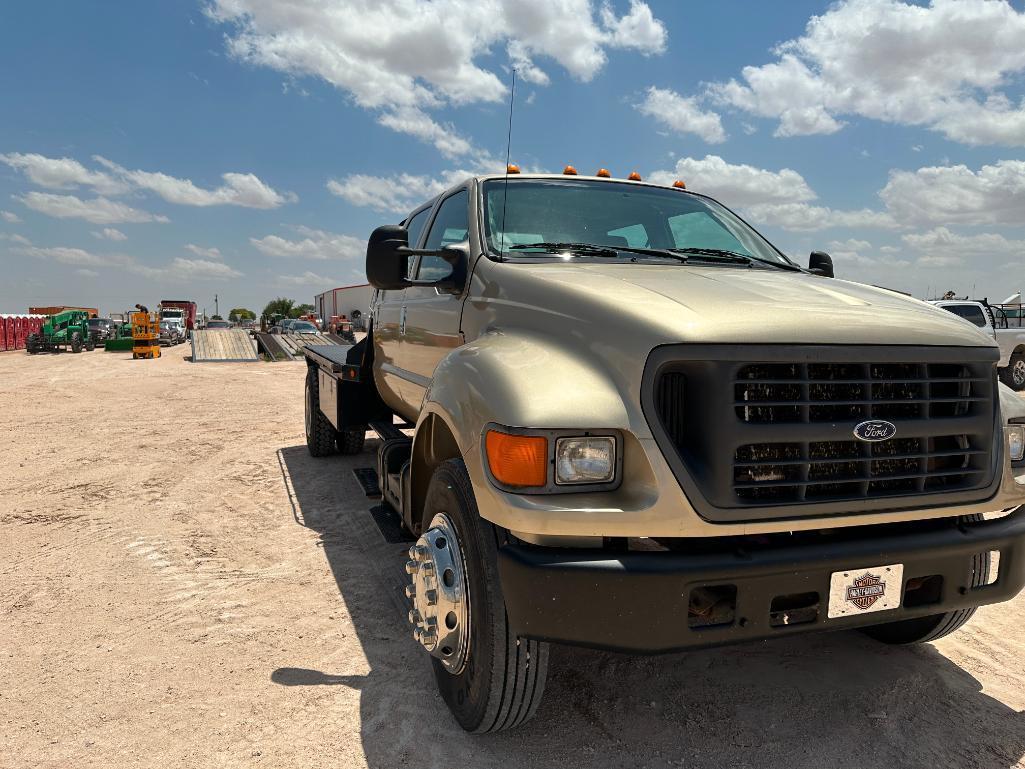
(585, 460)
(1015, 441)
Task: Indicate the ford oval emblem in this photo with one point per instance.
(875, 430)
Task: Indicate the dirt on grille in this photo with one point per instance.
(181, 585)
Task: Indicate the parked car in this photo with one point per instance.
(215, 325)
(302, 327)
(100, 329)
(172, 331)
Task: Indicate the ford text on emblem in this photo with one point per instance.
(875, 430)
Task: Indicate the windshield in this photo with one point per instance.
(613, 215)
(303, 327)
(97, 322)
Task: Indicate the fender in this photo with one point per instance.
(514, 378)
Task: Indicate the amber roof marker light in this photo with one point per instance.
(512, 168)
(604, 173)
(679, 184)
(634, 176)
(569, 171)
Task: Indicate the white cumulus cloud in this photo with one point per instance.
(682, 114)
(995, 194)
(401, 59)
(397, 193)
(98, 210)
(109, 233)
(10, 217)
(307, 279)
(942, 66)
(312, 244)
(246, 190)
(205, 253)
(62, 173)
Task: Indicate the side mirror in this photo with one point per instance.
(387, 253)
(820, 263)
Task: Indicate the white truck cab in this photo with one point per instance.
(997, 323)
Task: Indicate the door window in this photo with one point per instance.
(450, 226)
(414, 227)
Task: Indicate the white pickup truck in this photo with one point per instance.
(1007, 330)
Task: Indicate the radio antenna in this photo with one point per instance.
(508, 149)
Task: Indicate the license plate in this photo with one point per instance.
(865, 590)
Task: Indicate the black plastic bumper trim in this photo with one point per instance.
(638, 601)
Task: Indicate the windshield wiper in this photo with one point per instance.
(593, 249)
(730, 257)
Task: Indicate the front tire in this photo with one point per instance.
(934, 626)
(1014, 375)
(502, 681)
(320, 433)
(76, 342)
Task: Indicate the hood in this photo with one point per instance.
(720, 304)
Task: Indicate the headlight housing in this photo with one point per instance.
(585, 460)
(1015, 435)
(538, 461)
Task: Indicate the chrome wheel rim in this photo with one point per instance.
(1018, 372)
(441, 602)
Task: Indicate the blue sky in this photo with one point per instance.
(887, 133)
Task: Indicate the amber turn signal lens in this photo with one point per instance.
(569, 171)
(634, 176)
(517, 460)
(604, 173)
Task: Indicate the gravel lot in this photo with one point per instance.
(182, 585)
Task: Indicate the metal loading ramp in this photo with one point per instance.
(290, 346)
(223, 346)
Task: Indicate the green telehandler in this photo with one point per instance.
(68, 330)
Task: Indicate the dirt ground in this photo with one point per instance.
(181, 585)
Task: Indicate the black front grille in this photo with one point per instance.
(798, 393)
(766, 438)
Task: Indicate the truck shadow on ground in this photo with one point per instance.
(821, 700)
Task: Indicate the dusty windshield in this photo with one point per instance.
(611, 215)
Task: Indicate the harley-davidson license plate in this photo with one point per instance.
(865, 590)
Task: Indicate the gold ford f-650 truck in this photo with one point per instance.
(640, 427)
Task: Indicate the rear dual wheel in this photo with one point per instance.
(322, 439)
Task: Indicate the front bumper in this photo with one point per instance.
(639, 601)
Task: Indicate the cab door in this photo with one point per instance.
(392, 379)
(432, 317)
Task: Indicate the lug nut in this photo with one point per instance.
(417, 632)
(418, 552)
(432, 597)
(413, 617)
(410, 592)
(411, 567)
(428, 639)
(427, 568)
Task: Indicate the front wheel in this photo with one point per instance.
(490, 679)
(32, 345)
(1014, 375)
(933, 626)
(76, 342)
